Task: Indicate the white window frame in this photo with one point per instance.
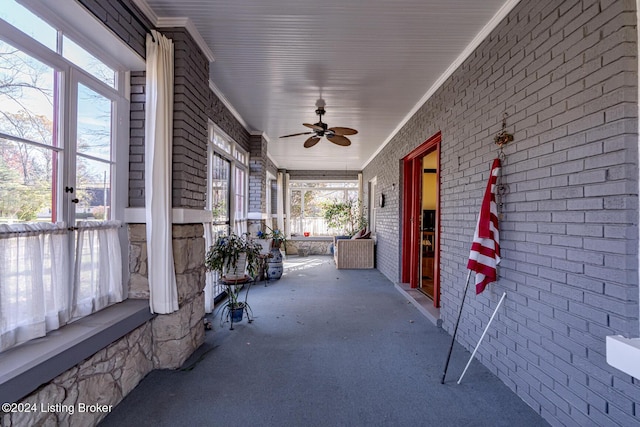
(295, 185)
(71, 76)
(373, 204)
(239, 159)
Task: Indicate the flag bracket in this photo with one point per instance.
(503, 137)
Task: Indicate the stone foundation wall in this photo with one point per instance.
(175, 335)
(309, 246)
(85, 394)
(162, 343)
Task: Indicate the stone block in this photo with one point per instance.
(189, 285)
(135, 367)
(180, 255)
(169, 327)
(172, 354)
(137, 233)
(138, 286)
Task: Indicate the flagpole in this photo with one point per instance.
(455, 329)
(504, 294)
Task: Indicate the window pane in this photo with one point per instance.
(308, 204)
(88, 62)
(94, 124)
(28, 23)
(222, 143)
(240, 196)
(220, 190)
(93, 190)
(26, 96)
(26, 174)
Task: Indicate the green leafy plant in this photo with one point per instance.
(223, 255)
(277, 236)
(347, 216)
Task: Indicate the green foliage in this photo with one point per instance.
(29, 208)
(18, 200)
(347, 216)
(276, 234)
(224, 253)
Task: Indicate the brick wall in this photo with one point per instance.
(136, 140)
(225, 120)
(565, 72)
(118, 16)
(190, 116)
(257, 174)
(191, 99)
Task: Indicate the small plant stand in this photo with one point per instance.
(246, 283)
(263, 264)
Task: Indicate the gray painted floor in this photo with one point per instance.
(327, 348)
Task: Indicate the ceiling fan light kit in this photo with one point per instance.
(320, 129)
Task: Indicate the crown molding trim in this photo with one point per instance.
(169, 22)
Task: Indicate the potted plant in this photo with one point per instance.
(274, 261)
(346, 216)
(231, 256)
(276, 236)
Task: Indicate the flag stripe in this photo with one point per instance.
(485, 248)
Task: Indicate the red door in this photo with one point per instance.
(412, 216)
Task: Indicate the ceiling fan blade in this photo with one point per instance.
(339, 140)
(343, 131)
(314, 127)
(297, 134)
(311, 141)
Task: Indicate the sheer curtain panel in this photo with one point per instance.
(97, 280)
(210, 276)
(34, 285)
(158, 139)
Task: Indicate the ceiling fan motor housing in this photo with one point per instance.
(320, 112)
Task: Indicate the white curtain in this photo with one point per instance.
(287, 205)
(210, 278)
(34, 284)
(280, 201)
(240, 226)
(158, 140)
(97, 275)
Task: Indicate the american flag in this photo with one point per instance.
(485, 249)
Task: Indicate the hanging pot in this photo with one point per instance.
(236, 272)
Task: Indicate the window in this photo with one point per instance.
(60, 148)
(219, 186)
(240, 205)
(306, 204)
(226, 197)
(227, 183)
(373, 203)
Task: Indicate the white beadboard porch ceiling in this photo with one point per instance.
(374, 62)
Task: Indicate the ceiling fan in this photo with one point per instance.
(320, 129)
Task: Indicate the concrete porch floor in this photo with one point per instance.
(327, 347)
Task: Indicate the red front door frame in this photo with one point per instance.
(412, 214)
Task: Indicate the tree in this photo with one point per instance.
(345, 216)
